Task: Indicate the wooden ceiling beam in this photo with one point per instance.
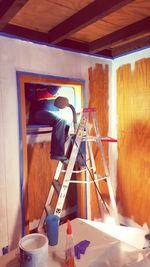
(89, 14)
(136, 44)
(136, 29)
(74, 45)
(8, 9)
(37, 36)
(104, 53)
(40, 37)
(82, 48)
(27, 34)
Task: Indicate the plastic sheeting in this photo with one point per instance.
(119, 254)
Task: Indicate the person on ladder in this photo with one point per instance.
(43, 111)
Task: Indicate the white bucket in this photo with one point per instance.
(34, 251)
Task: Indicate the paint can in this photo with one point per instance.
(34, 250)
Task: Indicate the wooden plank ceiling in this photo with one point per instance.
(101, 27)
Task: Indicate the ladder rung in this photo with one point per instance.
(84, 169)
(101, 177)
(89, 138)
(56, 185)
(95, 138)
(86, 182)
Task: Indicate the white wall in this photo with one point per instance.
(131, 58)
(17, 55)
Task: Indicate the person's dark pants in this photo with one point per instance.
(81, 157)
(59, 132)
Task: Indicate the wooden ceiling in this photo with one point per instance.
(103, 27)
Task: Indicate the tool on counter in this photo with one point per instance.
(69, 252)
(80, 248)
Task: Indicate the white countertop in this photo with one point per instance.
(104, 249)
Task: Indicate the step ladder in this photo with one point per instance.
(82, 135)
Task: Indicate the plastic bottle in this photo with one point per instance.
(70, 262)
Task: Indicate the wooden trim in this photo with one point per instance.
(8, 9)
(37, 78)
(135, 29)
(89, 14)
(24, 151)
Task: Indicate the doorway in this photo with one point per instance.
(31, 206)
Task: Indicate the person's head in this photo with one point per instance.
(53, 89)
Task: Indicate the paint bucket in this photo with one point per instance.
(34, 251)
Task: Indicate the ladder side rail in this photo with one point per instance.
(100, 145)
(56, 177)
(42, 220)
(87, 178)
(113, 211)
(51, 191)
(67, 177)
(111, 193)
(49, 197)
(69, 170)
(100, 202)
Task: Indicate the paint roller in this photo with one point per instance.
(63, 102)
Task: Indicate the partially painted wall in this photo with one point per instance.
(17, 55)
(99, 94)
(132, 76)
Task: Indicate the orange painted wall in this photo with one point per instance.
(98, 84)
(133, 168)
(41, 171)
